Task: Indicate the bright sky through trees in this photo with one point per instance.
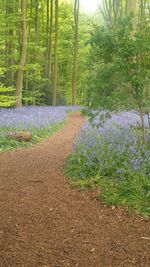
(89, 5)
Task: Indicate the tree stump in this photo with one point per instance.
(20, 136)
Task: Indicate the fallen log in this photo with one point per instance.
(20, 136)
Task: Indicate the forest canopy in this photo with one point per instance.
(53, 53)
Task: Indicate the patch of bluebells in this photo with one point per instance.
(114, 149)
(33, 117)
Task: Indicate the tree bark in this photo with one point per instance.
(132, 7)
(54, 89)
(142, 13)
(50, 41)
(28, 54)
(37, 31)
(75, 52)
(47, 37)
(127, 7)
(49, 31)
(19, 82)
(9, 41)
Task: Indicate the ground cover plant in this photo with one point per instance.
(109, 153)
(40, 121)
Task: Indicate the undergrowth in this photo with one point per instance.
(38, 134)
(111, 157)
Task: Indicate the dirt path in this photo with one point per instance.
(46, 223)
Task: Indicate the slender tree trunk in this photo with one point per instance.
(6, 38)
(132, 11)
(54, 89)
(19, 82)
(28, 55)
(31, 12)
(47, 37)
(113, 9)
(36, 47)
(110, 6)
(109, 12)
(142, 13)
(50, 41)
(132, 7)
(49, 31)
(127, 7)
(9, 41)
(75, 52)
(37, 31)
(121, 8)
(50, 49)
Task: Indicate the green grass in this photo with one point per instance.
(7, 144)
(132, 192)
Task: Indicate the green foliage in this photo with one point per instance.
(118, 66)
(113, 158)
(7, 99)
(37, 86)
(102, 116)
(133, 55)
(133, 191)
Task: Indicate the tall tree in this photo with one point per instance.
(46, 56)
(142, 13)
(127, 7)
(75, 52)
(47, 35)
(114, 9)
(55, 73)
(19, 82)
(50, 41)
(49, 32)
(10, 7)
(132, 6)
(37, 31)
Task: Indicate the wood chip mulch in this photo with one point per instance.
(44, 222)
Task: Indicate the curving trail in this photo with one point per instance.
(46, 223)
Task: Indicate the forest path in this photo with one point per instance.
(46, 223)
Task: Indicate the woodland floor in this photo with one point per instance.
(44, 222)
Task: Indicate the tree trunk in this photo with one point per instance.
(37, 31)
(142, 13)
(28, 54)
(54, 92)
(132, 11)
(75, 52)
(50, 41)
(50, 50)
(49, 31)
(9, 43)
(31, 13)
(132, 7)
(110, 6)
(47, 38)
(19, 82)
(127, 7)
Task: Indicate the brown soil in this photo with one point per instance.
(46, 223)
